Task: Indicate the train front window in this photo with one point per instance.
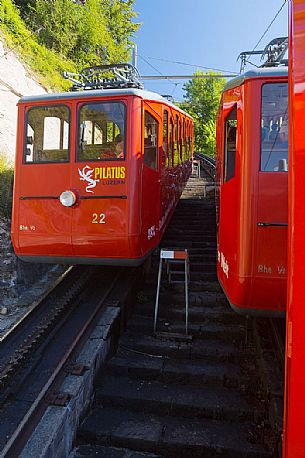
(274, 128)
(102, 131)
(47, 134)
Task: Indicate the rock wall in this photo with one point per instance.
(16, 276)
(15, 81)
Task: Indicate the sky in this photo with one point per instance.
(208, 33)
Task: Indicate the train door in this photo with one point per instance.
(229, 205)
(272, 205)
(43, 224)
(100, 180)
(151, 176)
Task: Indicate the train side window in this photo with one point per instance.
(274, 128)
(170, 143)
(187, 143)
(182, 152)
(47, 134)
(230, 145)
(165, 137)
(151, 126)
(101, 131)
(176, 142)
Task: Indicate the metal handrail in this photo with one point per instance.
(208, 163)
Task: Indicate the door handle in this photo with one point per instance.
(263, 224)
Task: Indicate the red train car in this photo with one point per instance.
(252, 164)
(294, 415)
(98, 173)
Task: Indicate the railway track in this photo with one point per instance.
(43, 349)
(169, 396)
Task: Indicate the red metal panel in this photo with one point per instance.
(294, 417)
(40, 222)
(251, 259)
(100, 224)
(270, 260)
(227, 239)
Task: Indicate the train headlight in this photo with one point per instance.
(67, 198)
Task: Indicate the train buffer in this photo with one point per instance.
(174, 259)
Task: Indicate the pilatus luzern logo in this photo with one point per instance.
(86, 175)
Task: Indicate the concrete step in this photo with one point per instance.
(195, 266)
(171, 437)
(203, 276)
(135, 365)
(186, 244)
(102, 451)
(197, 314)
(196, 298)
(185, 236)
(214, 330)
(168, 295)
(174, 398)
(208, 228)
(199, 348)
(198, 285)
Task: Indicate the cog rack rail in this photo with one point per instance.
(112, 76)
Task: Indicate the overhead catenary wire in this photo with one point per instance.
(269, 26)
(186, 64)
(154, 68)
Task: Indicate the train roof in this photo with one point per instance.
(261, 72)
(147, 95)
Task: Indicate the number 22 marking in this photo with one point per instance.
(98, 218)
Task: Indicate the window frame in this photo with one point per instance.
(106, 159)
(171, 128)
(157, 145)
(261, 170)
(165, 151)
(225, 148)
(24, 155)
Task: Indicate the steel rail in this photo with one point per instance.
(17, 441)
(34, 306)
(24, 337)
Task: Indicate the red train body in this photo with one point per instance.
(98, 174)
(294, 412)
(252, 191)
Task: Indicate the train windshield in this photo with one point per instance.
(274, 128)
(47, 134)
(102, 131)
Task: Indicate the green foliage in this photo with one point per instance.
(44, 62)
(54, 36)
(98, 33)
(6, 187)
(201, 101)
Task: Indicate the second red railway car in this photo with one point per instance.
(252, 165)
(98, 174)
(294, 412)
